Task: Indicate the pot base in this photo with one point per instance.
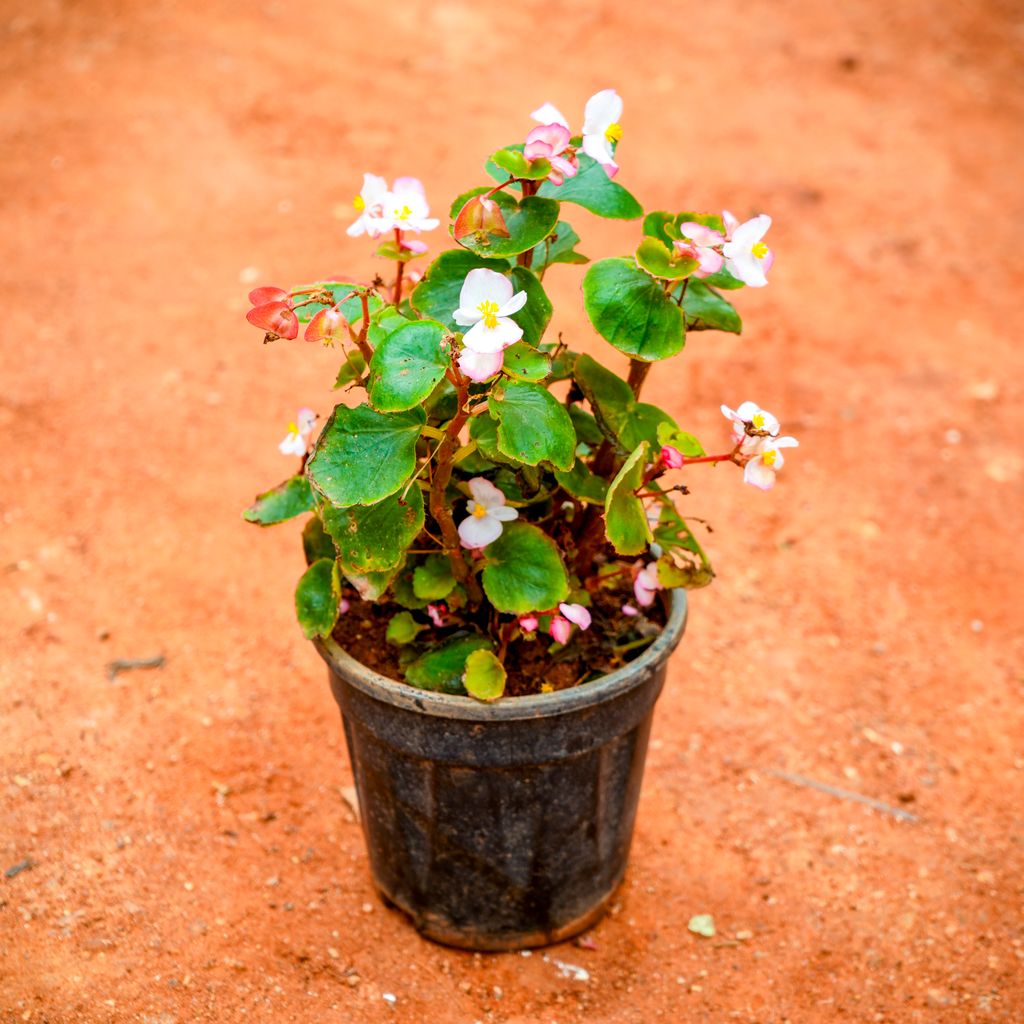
(441, 931)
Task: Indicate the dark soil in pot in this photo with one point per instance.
(505, 825)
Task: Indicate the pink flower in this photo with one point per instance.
(767, 461)
(576, 613)
(646, 584)
(343, 606)
(549, 142)
(436, 613)
(672, 458)
(701, 244)
(560, 629)
(628, 609)
(529, 623)
(601, 128)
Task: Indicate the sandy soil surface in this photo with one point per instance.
(191, 855)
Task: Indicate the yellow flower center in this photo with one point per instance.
(292, 428)
(546, 688)
(489, 312)
(613, 132)
(759, 249)
(479, 512)
(768, 457)
(403, 213)
(359, 203)
(758, 421)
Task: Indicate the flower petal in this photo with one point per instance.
(480, 366)
(576, 613)
(504, 513)
(481, 338)
(560, 630)
(261, 296)
(513, 305)
(757, 473)
(554, 136)
(700, 234)
(479, 531)
(548, 113)
(747, 268)
(485, 493)
(602, 109)
(599, 148)
(482, 285)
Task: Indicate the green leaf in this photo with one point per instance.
(629, 309)
(406, 366)
(684, 443)
(351, 308)
(442, 668)
(592, 189)
(663, 261)
(317, 597)
(625, 518)
(363, 455)
(581, 483)
(559, 247)
(724, 280)
(526, 363)
(433, 580)
(533, 426)
(352, 369)
(610, 397)
(529, 221)
(402, 629)
(437, 295)
(484, 430)
(535, 316)
(316, 541)
(513, 161)
(684, 563)
(587, 430)
(403, 592)
(484, 676)
(285, 501)
(370, 586)
(373, 538)
(524, 571)
(644, 423)
(706, 310)
(659, 224)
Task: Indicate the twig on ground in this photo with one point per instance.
(844, 794)
(119, 665)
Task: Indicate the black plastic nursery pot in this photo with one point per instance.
(506, 825)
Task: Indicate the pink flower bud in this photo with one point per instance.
(436, 613)
(560, 629)
(671, 457)
(529, 623)
(576, 613)
(326, 326)
(480, 217)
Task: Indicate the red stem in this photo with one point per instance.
(397, 297)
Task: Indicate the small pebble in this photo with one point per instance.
(977, 625)
(390, 998)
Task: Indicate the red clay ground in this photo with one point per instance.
(192, 857)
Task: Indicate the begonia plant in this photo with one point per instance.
(506, 503)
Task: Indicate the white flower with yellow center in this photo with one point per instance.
(747, 258)
(297, 440)
(485, 304)
(767, 461)
(370, 204)
(601, 128)
(487, 514)
(750, 425)
(405, 206)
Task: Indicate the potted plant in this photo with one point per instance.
(496, 540)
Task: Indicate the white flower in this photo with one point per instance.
(750, 425)
(297, 440)
(480, 366)
(485, 304)
(601, 128)
(406, 206)
(747, 258)
(370, 204)
(487, 514)
(767, 461)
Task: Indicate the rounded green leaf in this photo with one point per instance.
(407, 365)
(484, 430)
(513, 161)
(373, 538)
(316, 541)
(526, 363)
(317, 597)
(442, 668)
(352, 369)
(363, 455)
(371, 585)
(402, 629)
(558, 247)
(282, 502)
(433, 580)
(484, 676)
(629, 309)
(592, 189)
(524, 571)
(645, 423)
(663, 261)
(528, 221)
(533, 426)
(706, 310)
(625, 517)
(610, 397)
(437, 295)
(583, 484)
(535, 316)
